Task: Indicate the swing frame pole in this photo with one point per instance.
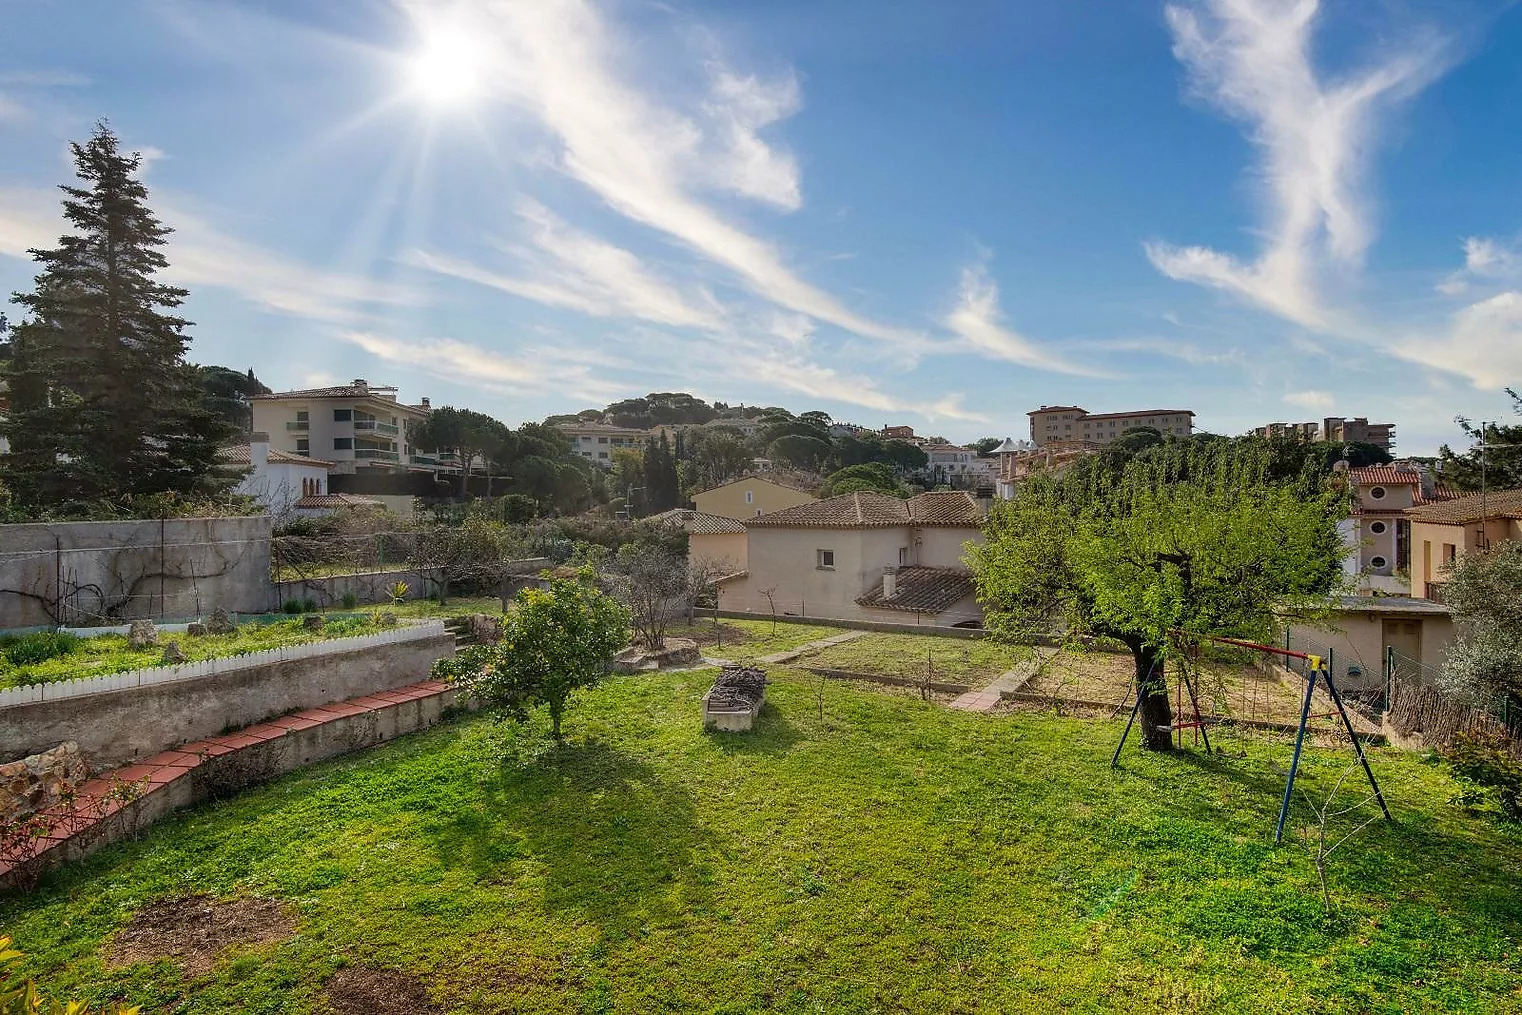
(1294, 762)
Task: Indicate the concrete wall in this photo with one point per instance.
(730, 500)
(1359, 639)
(728, 547)
(136, 722)
(369, 587)
(944, 547)
(80, 572)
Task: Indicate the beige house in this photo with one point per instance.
(596, 442)
(712, 538)
(355, 426)
(750, 496)
(1377, 531)
(1055, 424)
(1368, 636)
(863, 556)
(1440, 533)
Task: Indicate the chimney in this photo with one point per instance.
(361, 384)
(890, 582)
(427, 404)
(258, 449)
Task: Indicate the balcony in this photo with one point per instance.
(376, 454)
(299, 424)
(374, 425)
(1435, 591)
(422, 459)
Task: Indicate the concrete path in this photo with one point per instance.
(986, 699)
(777, 658)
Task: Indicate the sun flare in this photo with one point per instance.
(448, 69)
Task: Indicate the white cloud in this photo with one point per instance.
(1252, 59)
(977, 320)
(461, 363)
(1484, 259)
(573, 269)
(202, 255)
(556, 60)
(1482, 342)
(1185, 352)
(1311, 399)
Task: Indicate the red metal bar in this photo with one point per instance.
(1276, 650)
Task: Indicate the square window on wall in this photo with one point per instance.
(343, 415)
(825, 559)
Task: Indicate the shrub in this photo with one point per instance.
(39, 647)
(1489, 771)
(309, 606)
(292, 606)
(350, 600)
(22, 998)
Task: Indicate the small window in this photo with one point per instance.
(602, 440)
(343, 443)
(602, 454)
(903, 555)
(1378, 528)
(750, 498)
(1450, 552)
(1377, 493)
(303, 446)
(825, 559)
(1378, 562)
(343, 415)
(301, 416)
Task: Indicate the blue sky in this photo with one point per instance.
(940, 214)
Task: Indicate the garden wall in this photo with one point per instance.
(367, 587)
(84, 572)
(126, 716)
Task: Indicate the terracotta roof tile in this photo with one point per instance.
(869, 510)
(698, 523)
(240, 454)
(1471, 508)
(1384, 475)
(921, 590)
(335, 500)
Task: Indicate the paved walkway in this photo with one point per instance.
(986, 699)
(777, 658)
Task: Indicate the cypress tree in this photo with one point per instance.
(103, 403)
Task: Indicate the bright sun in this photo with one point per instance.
(448, 70)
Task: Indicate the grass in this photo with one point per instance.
(746, 640)
(954, 660)
(109, 653)
(303, 572)
(889, 856)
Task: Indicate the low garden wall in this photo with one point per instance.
(124, 716)
(367, 587)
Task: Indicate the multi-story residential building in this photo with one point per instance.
(749, 496)
(596, 442)
(1336, 429)
(1058, 424)
(355, 426)
(863, 556)
(1443, 532)
(958, 467)
(1377, 530)
(898, 433)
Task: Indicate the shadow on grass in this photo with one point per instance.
(611, 841)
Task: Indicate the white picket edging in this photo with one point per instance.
(12, 696)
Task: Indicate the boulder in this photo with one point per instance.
(39, 781)
(196, 630)
(386, 618)
(172, 654)
(314, 622)
(219, 621)
(142, 634)
(486, 629)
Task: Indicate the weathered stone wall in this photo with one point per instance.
(76, 573)
(116, 727)
(367, 587)
(39, 781)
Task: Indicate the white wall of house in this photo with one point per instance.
(277, 486)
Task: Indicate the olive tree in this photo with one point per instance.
(1163, 550)
(1484, 591)
(555, 641)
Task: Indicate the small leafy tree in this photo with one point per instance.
(554, 642)
(1485, 593)
(21, 997)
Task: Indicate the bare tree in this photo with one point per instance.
(1321, 839)
(771, 600)
(653, 582)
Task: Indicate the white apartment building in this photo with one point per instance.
(596, 442)
(958, 467)
(1055, 424)
(355, 426)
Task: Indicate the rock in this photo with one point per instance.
(313, 622)
(196, 630)
(172, 654)
(486, 629)
(386, 618)
(38, 782)
(220, 622)
(142, 634)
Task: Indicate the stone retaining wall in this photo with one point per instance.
(40, 781)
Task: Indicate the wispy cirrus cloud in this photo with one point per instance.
(979, 323)
(1184, 352)
(1253, 60)
(1311, 399)
(202, 255)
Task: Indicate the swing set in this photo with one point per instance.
(1316, 669)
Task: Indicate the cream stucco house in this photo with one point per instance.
(714, 539)
(1441, 533)
(863, 556)
(1377, 531)
(748, 497)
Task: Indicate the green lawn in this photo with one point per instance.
(109, 653)
(892, 856)
(756, 638)
(953, 660)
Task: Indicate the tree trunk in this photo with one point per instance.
(1152, 684)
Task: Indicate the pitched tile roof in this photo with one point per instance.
(921, 590)
(866, 509)
(698, 523)
(791, 482)
(335, 500)
(1384, 475)
(240, 454)
(1471, 508)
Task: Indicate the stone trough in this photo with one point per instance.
(735, 700)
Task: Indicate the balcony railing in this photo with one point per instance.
(299, 424)
(377, 454)
(1436, 591)
(375, 425)
(423, 459)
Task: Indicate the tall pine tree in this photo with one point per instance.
(103, 404)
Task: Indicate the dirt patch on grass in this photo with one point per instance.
(195, 930)
(365, 990)
(705, 633)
